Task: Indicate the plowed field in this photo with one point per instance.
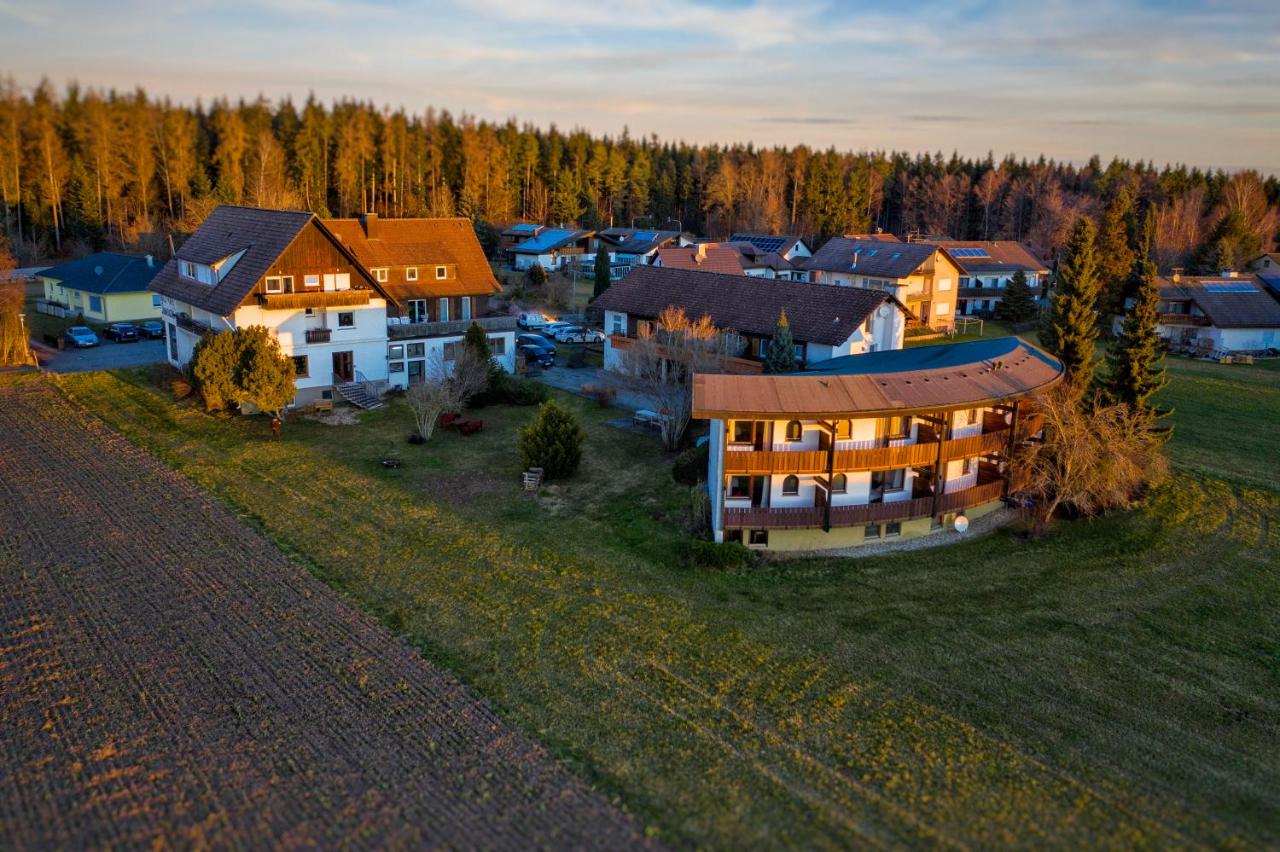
(166, 673)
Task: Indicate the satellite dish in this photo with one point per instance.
(883, 311)
(962, 523)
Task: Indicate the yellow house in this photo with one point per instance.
(920, 276)
(105, 287)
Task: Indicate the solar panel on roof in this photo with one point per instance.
(645, 236)
(969, 252)
(1229, 287)
(763, 243)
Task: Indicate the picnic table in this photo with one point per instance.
(645, 417)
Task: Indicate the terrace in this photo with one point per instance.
(449, 328)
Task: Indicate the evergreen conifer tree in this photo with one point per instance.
(780, 357)
(1134, 356)
(552, 441)
(1115, 251)
(602, 271)
(478, 342)
(1072, 324)
(1018, 304)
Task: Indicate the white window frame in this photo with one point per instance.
(444, 310)
(273, 284)
(381, 274)
(442, 273)
(411, 273)
(311, 282)
(466, 307)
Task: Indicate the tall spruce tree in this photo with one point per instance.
(1133, 358)
(601, 270)
(1115, 251)
(780, 357)
(1018, 304)
(1072, 324)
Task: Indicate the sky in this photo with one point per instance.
(1177, 81)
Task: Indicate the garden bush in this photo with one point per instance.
(553, 442)
(730, 556)
(690, 467)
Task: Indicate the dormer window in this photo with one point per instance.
(197, 272)
(411, 273)
(441, 273)
(381, 274)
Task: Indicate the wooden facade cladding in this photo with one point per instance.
(312, 252)
(731, 365)
(314, 299)
(925, 452)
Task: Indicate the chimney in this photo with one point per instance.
(151, 261)
(1177, 274)
(701, 254)
(369, 221)
(1229, 273)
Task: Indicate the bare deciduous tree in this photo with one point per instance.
(447, 386)
(663, 362)
(1091, 459)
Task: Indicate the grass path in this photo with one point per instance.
(1117, 685)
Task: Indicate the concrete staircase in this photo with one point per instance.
(355, 393)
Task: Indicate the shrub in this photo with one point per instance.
(515, 391)
(730, 556)
(553, 442)
(537, 275)
(242, 367)
(690, 467)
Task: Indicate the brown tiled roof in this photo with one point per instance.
(1240, 302)
(881, 237)
(716, 258)
(929, 377)
(262, 234)
(1002, 256)
(877, 258)
(818, 313)
(422, 243)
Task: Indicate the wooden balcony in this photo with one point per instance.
(1183, 319)
(923, 452)
(319, 335)
(449, 328)
(313, 299)
(186, 323)
(813, 517)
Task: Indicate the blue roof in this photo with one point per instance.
(944, 356)
(525, 226)
(549, 239)
(105, 273)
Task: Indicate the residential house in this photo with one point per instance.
(552, 248)
(825, 322)
(736, 258)
(289, 272)
(986, 267)
(868, 448)
(919, 275)
(790, 248)
(105, 287)
(438, 282)
(629, 247)
(1217, 313)
(514, 235)
(1267, 268)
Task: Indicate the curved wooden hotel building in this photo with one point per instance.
(868, 447)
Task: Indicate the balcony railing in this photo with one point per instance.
(801, 517)
(1183, 319)
(763, 462)
(313, 299)
(186, 323)
(448, 328)
(319, 335)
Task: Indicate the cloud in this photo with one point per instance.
(819, 120)
(23, 13)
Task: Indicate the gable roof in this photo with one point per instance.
(975, 257)
(1241, 302)
(549, 239)
(423, 243)
(105, 273)
(643, 242)
(262, 235)
(778, 244)
(522, 229)
(818, 313)
(870, 257)
(948, 376)
(714, 258)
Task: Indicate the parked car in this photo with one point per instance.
(550, 329)
(121, 332)
(575, 334)
(152, 329)
(537, 341)
(81, 336)
(534, 355)
(531, 320)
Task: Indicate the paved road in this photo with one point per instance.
(168, 676)
(108, 356)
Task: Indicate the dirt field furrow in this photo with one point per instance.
(168, 674)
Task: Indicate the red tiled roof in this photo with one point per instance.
(714, 258)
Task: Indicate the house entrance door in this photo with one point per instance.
(343, 367)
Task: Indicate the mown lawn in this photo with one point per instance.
(1118, 684)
